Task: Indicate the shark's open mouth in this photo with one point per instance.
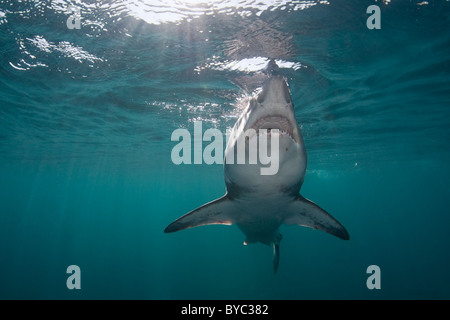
(275, 122)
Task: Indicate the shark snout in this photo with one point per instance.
(273, 109)
(275, 91)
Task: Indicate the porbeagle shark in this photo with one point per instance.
(260, 203)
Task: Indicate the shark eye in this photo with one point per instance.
(253, 103)
(261, 97)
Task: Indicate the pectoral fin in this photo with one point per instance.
(306, 213)
(219, 211)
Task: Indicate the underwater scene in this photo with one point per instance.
(115, 118)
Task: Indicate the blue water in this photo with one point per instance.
(86, 117)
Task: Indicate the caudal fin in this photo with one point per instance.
(306, 213)
(276, 256)
(219, 211)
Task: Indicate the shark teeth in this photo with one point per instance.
(274, 122)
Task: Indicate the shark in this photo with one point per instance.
(260, 203)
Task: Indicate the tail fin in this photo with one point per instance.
(276, 256)
(276, 250)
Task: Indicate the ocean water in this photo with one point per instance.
(86, 175)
